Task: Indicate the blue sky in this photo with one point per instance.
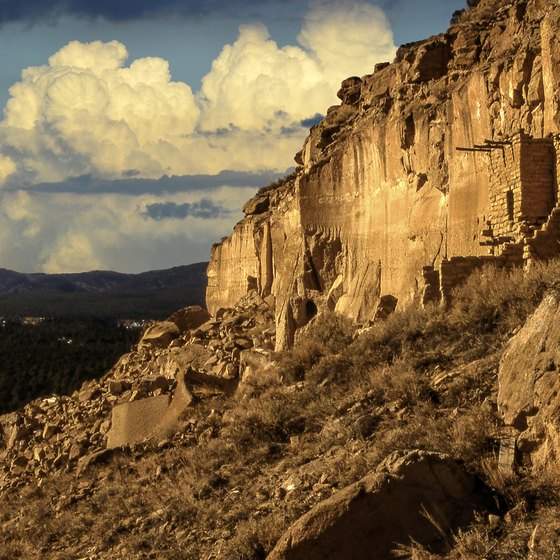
(116, 94)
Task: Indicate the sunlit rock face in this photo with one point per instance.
(381, 190)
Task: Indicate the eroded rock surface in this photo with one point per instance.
(390, 507)
(381, 190)
(529, 383)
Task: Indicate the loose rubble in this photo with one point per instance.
(184, 355)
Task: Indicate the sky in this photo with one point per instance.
(134, 130)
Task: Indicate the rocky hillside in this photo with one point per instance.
(424, 436)
(420, 175)
(416, 414)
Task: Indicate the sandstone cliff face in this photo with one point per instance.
(381, 190)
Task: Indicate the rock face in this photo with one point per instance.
(421, 165)
(370, 518)
(133, 421)
(529, 383)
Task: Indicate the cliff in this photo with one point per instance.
(448, 152)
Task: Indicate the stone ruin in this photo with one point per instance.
(523, 222)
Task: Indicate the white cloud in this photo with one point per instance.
(85, 112)
(89, 112)
(110, 231)
(347, 37)
(254, 84)
(7, 167)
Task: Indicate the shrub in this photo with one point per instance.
(500, 299)
(327, 334)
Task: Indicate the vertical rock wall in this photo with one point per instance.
(381, 190)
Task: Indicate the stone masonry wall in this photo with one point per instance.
(521, 173)
(505, 188)
(537, 178)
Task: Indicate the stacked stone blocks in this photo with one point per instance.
(523, 223)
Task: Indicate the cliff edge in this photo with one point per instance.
(444, 160)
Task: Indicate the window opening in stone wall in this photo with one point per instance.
(509, 205)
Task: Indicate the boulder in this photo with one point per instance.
(159, 335)
(257, 205)
(174, 361)
(350, 90)
(134, 421)
(190, 318)
(158, 417)
(409, 498)
(529, 382)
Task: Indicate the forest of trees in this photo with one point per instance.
(56, 356)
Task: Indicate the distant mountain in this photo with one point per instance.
(148, 295)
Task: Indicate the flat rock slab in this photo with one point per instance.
(369, 519)
(134, 421)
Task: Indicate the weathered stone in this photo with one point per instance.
(174, 361)
(350, 90)
(181, 401)
(89, 392)
(93, 458)
(38, 454)
(138, 394)
(529, 382)
(15, 435)
(158, 416)
(75, 452)
(507, 456)
(243, 343)
(134, 421)
(257, 205)
(431, 60)
(116, 387)
(190, 318)
(49, 430)
(159, 335)
(154, 382)
(393, 506)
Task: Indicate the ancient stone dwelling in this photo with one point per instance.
(523, 221)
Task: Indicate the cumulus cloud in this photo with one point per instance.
(344, 36)
(87, 112)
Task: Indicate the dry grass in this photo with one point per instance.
(334, 407)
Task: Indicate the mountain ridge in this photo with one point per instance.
(152, 294)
